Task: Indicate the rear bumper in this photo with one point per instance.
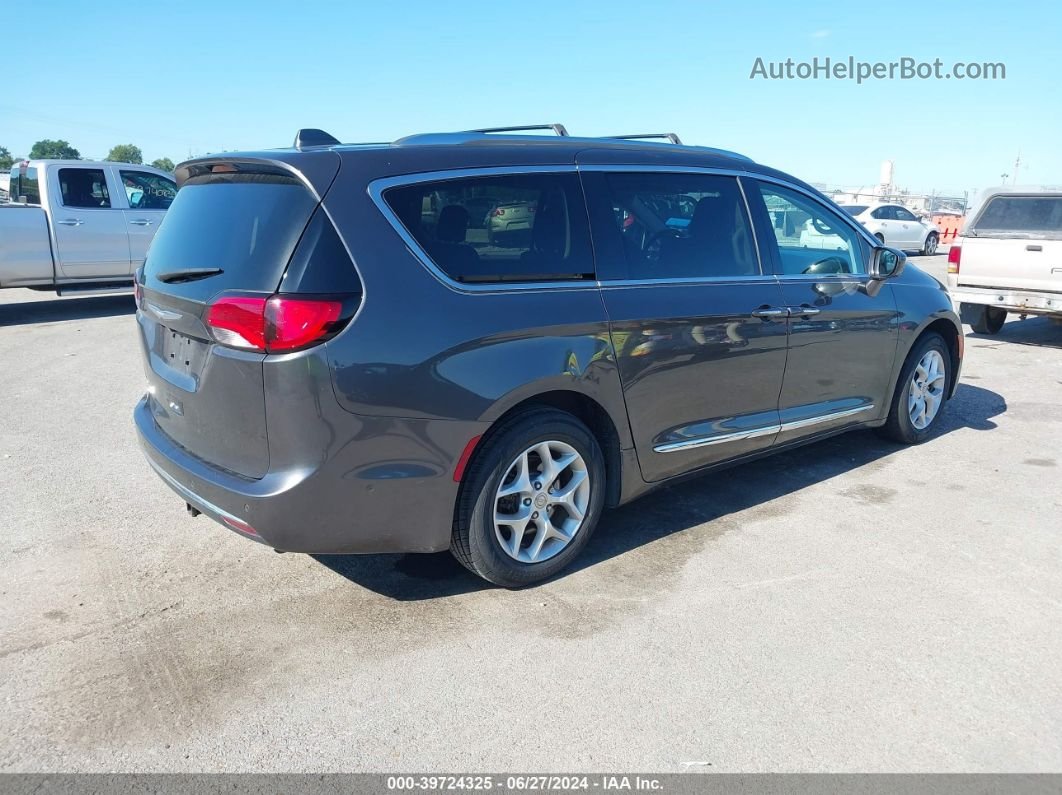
(1028, 302)
(388, 487)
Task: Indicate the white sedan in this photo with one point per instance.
(896, 226)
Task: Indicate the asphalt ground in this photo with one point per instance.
(849, 606)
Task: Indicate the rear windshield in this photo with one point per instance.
(1021, 216)
(247, 225)
(514, 228)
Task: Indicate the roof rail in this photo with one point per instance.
(668, 136)
(310, 136)
(559, 129)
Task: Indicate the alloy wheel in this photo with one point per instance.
(541, 502)
(925, 393)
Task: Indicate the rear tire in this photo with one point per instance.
(880, 237)
(546, 531)
(921, 392)
(984, 319)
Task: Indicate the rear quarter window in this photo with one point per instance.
(1019, 216)
(512, 228)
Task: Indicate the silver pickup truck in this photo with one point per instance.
(76, 226)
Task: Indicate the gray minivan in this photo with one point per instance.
(343, 357)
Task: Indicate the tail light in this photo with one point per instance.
(276, 323)
(954, 256)
(138, 287)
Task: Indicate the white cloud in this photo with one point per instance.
(821, 34)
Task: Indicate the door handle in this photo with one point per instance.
(70, 222)
(140, 222)
(769, 312)
(804, 310)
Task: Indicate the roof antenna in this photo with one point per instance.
(311, 136)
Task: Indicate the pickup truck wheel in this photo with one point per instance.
(984, 319)
(930, 247)
(530, 499)
(920, 393)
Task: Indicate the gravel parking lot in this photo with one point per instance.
(852, 605)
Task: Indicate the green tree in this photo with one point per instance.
(58, 150)
(164, 163)
(6, 160)
(125, 153)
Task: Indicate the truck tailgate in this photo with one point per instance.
(1028, 264)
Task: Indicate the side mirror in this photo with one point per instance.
(886, 263)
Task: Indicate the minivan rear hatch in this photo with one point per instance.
(1015, 242)
(231, 231)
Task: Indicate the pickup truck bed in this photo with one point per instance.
(25, 247)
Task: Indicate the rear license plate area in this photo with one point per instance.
(182, 354)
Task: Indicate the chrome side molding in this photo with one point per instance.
(766, 430)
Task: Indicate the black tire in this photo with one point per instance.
(898, 426)
(926, 248)
(474, 542)
(880, 237)
(984, 319)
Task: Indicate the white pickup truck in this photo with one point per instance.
(76, 226)
(1008, 258)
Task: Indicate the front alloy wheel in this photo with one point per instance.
(930, 247)
(921, 390)
(925, 393)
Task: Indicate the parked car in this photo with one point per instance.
(1008, 258)
(894, 225)
(329, 374)
(510, 223)
(79, 226)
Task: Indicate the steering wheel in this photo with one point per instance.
(821, 226)
(652, 242)
(830, 264)
(659, 234)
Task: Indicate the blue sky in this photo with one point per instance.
(194, 77)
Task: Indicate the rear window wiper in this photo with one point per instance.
(188, 275)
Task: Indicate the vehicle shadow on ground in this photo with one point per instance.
(29, 312)
(674, 508)
(1035, 331)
